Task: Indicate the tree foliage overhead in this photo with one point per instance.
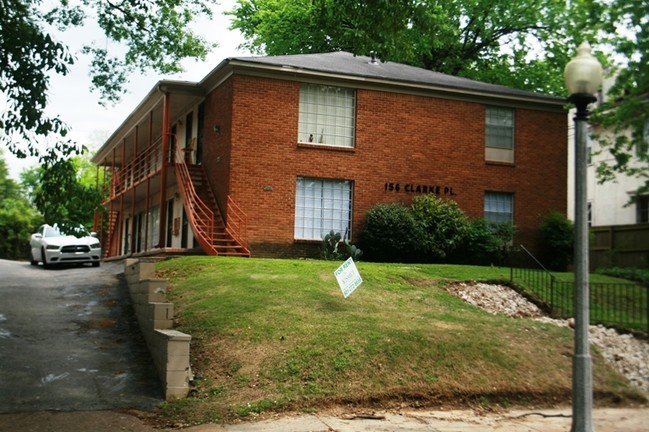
(626, 111)
(521, 44)
(156, 34)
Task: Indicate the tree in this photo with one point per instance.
(624, 117)
(523, 44)
(156, 34)
(65, 192)
(18, 218)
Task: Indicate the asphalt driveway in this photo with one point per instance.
(69, 341)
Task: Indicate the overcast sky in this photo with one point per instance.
(90, 123)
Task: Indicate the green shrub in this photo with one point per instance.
(486, 243)
(556, 241)
(389, 234)
(330, 244)
(443, 227)
(630, 273)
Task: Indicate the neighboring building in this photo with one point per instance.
(265, 155)
(608, 202)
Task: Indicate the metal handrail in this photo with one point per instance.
(200, 216)
(237, 225)
(146, 164)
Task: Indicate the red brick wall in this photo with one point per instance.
(400, 139)
(217, 146)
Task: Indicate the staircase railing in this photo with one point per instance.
(237, 225)
(105, 225)
(539, 280)
(200, 216)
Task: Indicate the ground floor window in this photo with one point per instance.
(499, 207)
(642, 206)
(153, 227)
(321, 206)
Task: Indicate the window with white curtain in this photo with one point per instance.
(499, 134)
(327, 115)
(322, 206)
(500, 127)
(499, 207)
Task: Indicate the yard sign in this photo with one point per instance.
(348, 277)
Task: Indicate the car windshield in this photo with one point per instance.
(51, 231)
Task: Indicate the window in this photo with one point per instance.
(327, 115)
(153, 227)
(499, 134)
(642, 146)
(642, 206)
(322, 206)
(499, 207)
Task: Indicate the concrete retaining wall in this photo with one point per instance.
(169, 348)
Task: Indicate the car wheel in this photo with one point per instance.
(45, 264)
(32, 262)
(95, 263)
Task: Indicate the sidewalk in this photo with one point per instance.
(546, 420)
(542, 420)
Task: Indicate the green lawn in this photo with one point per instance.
(278, 335)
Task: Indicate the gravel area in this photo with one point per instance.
(627, 354)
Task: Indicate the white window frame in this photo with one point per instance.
(499, 207)
(500, 134)
(327, 115)
(322, 206)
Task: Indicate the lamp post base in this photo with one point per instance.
(582, 403)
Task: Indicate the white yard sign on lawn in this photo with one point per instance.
(348, 277)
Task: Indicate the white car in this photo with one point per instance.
(51, 247)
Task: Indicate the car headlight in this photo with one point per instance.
(52, 247)
(95, 246)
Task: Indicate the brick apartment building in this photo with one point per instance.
(267, 154)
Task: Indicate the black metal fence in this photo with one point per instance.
(622, 305)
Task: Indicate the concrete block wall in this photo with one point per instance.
(169, 348)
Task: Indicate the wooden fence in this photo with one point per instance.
(619, 246)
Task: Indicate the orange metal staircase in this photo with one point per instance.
(105, 225)
(214, 236)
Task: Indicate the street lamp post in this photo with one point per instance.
(583, 78)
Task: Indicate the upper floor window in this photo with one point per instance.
(321, 206)
(327, 115)
(499, 134)
(499, 207)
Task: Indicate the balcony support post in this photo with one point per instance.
(163, 171)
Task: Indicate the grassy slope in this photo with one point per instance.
(278, 334)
